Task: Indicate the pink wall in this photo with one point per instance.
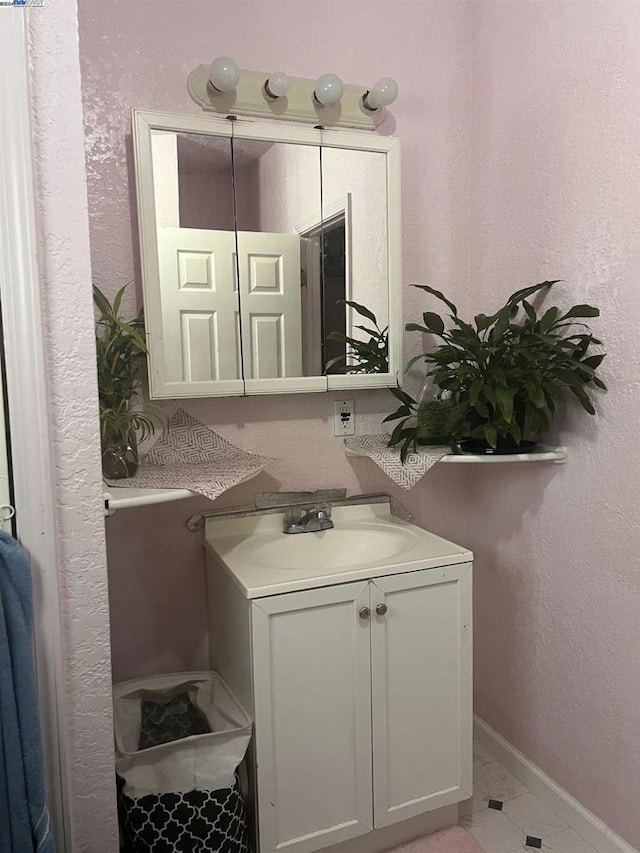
(72, 403)
(155, 574)
(550, 189)
(556, 195)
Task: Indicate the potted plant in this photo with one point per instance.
(505, 372)
(121, 353)
(362, 356)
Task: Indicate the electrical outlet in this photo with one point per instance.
(344, 418)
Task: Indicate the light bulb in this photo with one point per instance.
(224, 74)
(328, 89)
(277, 85)
(382, 94)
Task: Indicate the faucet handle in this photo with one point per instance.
(322, 510)
(302, 519)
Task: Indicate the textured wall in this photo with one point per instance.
(550, 190)
(66, 289)
(556, 195)
(130, 58)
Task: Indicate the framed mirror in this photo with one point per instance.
(270, 256)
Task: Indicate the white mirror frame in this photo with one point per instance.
(143, 123)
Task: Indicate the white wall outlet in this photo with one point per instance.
(344, 417)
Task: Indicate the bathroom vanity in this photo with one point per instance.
(351, 649)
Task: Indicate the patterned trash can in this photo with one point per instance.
(179, 740)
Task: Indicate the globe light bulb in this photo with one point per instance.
(382, 94)
(277, 85)
(224, 74)
(328, 89)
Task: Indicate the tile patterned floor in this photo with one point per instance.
(516, 820)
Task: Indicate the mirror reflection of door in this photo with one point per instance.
(193, 189)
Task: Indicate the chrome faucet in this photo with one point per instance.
(300, 519)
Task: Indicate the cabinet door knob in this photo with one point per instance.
(381, 609)
(364, 613)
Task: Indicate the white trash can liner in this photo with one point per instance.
(202, 762)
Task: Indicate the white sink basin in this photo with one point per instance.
(356, 545)
(365, 542)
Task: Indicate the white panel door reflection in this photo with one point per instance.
(200, 318)
(270, 304)
(198, 282)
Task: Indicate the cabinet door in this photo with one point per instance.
(422, 691)
(312, 700)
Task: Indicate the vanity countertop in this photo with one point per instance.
(365, 542)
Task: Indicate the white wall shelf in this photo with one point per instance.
(543, 453)
(122, 497)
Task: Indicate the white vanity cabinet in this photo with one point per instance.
(360, 693)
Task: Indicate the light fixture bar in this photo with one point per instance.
(299, 104)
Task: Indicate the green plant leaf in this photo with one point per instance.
(375, 334)
(414, 327)
(408, 446)
(504, 400)
(585, 402)
(397, 435)
(521, 295)
(490, 432)
(474, 390)
(433, 322)
(401, 412)
(500, 376)
(483, 322)
(593, 361)
(490, 394)
(101, 301)
(548, 319)
(481, 408)
(515, 432)
(333, 361)
(439, 295)
(535, 393)
(134, 335)
(340, 337)
(401, 395)
(117, 301)
(581, 311)
(502, 323)
(570, 378)
(363, 310)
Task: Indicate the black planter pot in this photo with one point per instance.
(505, 444)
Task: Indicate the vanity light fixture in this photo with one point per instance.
(328, 89)
(222, 87)
(381, 95)
(224, 74)
(277, 85)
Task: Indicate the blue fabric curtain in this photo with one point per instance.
(24, 818)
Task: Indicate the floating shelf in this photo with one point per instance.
(120, 497)
(542, 454)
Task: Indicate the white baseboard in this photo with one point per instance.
(580, 819)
